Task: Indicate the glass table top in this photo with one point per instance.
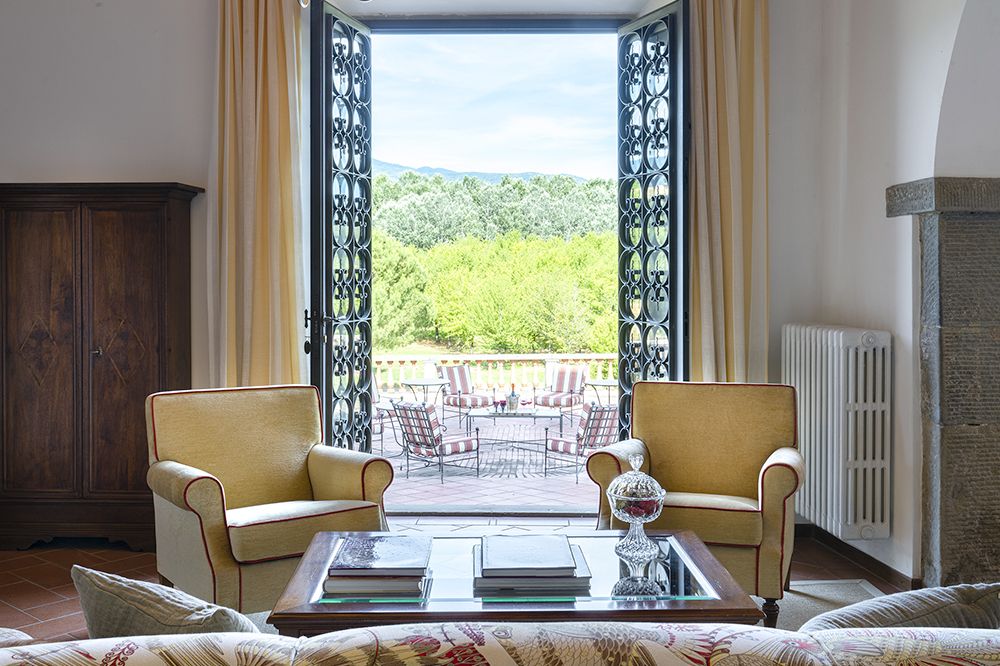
(671, 576)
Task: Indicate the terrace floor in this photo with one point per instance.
(511, 476)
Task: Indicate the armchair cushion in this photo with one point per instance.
(470, 400)
(284, 529)
(448, 447)
(717, 519)
(558, 399)
(563, 445)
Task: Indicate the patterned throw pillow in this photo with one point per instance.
(959, 607)
(114, 606)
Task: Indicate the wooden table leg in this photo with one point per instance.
(770, 609)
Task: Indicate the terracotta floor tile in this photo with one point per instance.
(7, 578)
(26, 595)
(113, 554)
(47, 575)
(80, 635)
(18, 559)
(141, 574)
(58, 609)
(12, 618)
(67, 557)
(134, 562)
(57, 627)
(66, 591)
(7, 554)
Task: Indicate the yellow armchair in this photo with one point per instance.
(726, 455)
(241, 482)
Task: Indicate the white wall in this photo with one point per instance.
(793, 185)
(968, 139)
(881, 75)
(112, 90)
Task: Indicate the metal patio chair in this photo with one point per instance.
(565, 388)
(424, 440)
(598, 428)
(381, 417)
(460, 394)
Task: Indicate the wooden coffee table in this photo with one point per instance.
(700, 590)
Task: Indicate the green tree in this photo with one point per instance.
(401, 308)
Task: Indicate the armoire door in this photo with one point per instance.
(40, 330)
(124, 333)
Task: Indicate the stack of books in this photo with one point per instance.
(379, 566)
(530, 564)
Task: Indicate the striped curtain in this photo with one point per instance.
(728, 190)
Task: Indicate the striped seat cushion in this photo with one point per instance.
(468, 400)
(558, 399)
(570, 446)
(449, 447)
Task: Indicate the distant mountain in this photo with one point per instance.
(396, 170)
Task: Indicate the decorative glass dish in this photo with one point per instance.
(636, 498)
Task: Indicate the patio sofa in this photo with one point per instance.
(577, 643)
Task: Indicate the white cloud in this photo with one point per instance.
(496, 102)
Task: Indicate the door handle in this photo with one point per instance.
(97, 353)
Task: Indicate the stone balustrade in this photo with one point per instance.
(490, 371)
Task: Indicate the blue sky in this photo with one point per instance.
(502, 103)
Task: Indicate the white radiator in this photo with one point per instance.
(843, 381)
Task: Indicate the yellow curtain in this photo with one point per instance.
(256, 276)
(728, 186)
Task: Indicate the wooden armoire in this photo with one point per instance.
(95, 314)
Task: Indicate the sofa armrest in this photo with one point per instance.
(780, 478)
(605, 464)
(337, 473)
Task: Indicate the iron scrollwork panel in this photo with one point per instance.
(348, 233)
(645, 168)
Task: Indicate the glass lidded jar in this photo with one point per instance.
(636, 498)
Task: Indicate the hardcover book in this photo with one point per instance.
(579, 581)
(527, 555)
(381, 556)
(370, 586)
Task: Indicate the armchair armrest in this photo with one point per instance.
(210, 572)
(605, 464)
(337, 473)
(780, 478)
(781, 475)
(188, 488)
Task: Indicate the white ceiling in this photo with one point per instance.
(495, 8)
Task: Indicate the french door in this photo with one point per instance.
(652, 239)
(652, 266)
(340, 314)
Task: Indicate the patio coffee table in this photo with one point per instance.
(524, 412)
(699, 589)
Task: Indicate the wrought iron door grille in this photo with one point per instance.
(346, 355)
(649, 214)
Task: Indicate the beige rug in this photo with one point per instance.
(809, 598)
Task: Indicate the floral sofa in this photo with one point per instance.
(572, 644)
